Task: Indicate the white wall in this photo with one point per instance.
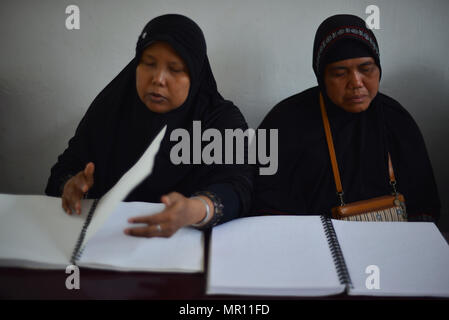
(260, 51)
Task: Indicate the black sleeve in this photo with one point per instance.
(271, 192)
(71, 161)
(233, 183)
(229, 199)
(411, 162)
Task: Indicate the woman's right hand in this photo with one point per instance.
(76, 187)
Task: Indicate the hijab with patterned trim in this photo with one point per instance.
(304, 183)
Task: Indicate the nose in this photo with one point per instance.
(355, 80)
(159, 77)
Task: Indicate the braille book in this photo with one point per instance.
(35, 232)
(316, 256)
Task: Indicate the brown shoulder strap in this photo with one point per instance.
(330, 145)
(390, 169)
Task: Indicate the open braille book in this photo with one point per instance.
(35, 232)
(316, 256)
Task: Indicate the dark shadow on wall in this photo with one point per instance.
(423, 92)
(26, 160)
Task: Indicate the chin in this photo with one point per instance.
(356, 108)
(157, 108)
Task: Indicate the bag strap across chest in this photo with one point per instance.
(333, 158)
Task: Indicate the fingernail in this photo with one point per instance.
(126, 231)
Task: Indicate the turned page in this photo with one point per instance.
(36, 232)
(273, 256)
(131, 179)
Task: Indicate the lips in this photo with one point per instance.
(156, 97)
(356, 98)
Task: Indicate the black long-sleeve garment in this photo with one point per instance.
(118, 127)
(304, 183)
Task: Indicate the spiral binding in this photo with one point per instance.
(337, 254)
(77, 251)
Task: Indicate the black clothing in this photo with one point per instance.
(118, 127)
(304, 183)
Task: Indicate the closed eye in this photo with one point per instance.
(338, 74)
(176, 70)
(367, 67)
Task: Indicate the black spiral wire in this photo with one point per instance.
(337, 254)
(77, 251)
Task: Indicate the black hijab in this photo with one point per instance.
(118, 127)
(304, 183)
(337, 30)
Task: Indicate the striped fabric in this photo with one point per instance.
(390, 214)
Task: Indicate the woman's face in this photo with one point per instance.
(162, 78)
(353, 83)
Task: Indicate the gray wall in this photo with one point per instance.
(260, 51)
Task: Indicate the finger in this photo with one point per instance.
(171, 198)
(80, 182)
(150, 231)
(168, 215)
(160, 217)
(165, 199)
(138, 231)
(89, 169)
(89, 174)
(78, 206)
(72, 200)
(65, 206)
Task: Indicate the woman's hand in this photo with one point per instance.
(179, 212)
(76, 187)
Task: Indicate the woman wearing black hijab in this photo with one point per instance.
(366, 125)
(169, 82)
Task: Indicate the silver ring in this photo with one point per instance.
(158, 228)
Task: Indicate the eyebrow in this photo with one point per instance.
(368, 63)
(338, 68)
(365, 64)
(172, 63)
